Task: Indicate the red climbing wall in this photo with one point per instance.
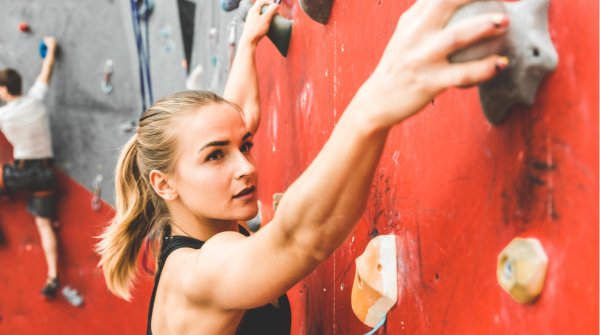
(23, 311)
(453, 188)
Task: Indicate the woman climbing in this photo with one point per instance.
(186, 179)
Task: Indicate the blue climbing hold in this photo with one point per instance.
(229, 5)
(43, 49)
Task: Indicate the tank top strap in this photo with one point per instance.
(170, 244)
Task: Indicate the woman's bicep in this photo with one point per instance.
(234, 272)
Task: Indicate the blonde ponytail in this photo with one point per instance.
(140, 213)
(121, 242)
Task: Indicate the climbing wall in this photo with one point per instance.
(454, 189)
(88, 125)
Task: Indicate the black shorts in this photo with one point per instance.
(35, 176)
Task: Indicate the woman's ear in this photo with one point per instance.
(160, 183)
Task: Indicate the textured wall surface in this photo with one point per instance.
(87, 124)
(453, 188)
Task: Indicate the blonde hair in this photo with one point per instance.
(140, 213)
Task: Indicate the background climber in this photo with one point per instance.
(25, 122)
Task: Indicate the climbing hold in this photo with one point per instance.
(254, 223)
(521, 269)
(231, 39)
(106, 84)
(232, 32)
(318, 10)
(280, 32)
(187, 22)
(24, 27)
(276, 199)
(229, 5)
(128, 126)
(375, 288)
(212, 33)
(43, 48)
(96, 203)
(194, 80)
(528, 46)
(72, 296)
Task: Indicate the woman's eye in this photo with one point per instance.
(246, 147)
(215, 155)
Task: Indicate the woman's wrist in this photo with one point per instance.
(366, 111)
(249, 41)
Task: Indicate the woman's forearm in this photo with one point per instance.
(321, 208)
(242, 85)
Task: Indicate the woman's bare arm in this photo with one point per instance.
(320, 209)
(242, 85)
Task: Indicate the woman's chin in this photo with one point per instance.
(248, 213)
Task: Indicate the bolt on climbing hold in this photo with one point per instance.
(527, 45)
(375, 288)
(318, 10)
(521, 269)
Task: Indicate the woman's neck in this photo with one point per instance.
(201, 229)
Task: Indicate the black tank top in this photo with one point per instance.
(265, 320)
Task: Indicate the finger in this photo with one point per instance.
(418, 6)
(271, 11)
(438, 12)
(259, 4)
(474, 72)
(413, 13)
(469, 31)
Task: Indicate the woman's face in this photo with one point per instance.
(214, 173)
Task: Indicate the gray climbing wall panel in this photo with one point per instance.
(88, 125)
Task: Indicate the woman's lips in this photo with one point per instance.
(246, 193)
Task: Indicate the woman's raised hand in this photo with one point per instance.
(257, 24)
(414, 67)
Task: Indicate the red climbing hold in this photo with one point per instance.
(23, 27)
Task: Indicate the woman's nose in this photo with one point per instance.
(245, 167)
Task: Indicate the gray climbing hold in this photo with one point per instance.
(528, 46)
(280, 32)
(229, 5)
(318, 10)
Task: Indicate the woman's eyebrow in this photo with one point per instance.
(213, 144)
(221, 143)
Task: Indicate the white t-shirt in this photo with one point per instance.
(26, 124)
